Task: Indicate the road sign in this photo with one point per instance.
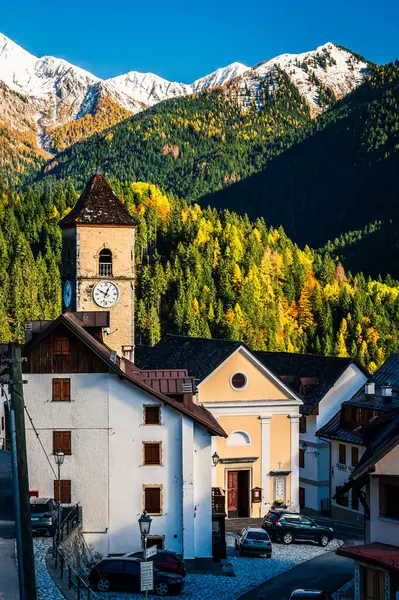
(146, 576)
(151, 551)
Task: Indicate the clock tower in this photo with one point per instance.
(98, 260)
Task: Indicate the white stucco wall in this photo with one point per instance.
(87, 419)
(128, 475)
(106, 467)
(381, 529)
(317, 457)
(202, 493)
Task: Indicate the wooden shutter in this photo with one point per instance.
(152, 453)
(342, 454)
(62, 440)
(66, 390)
(152, 415)
(61, 346)
(152, 500)
(56, 390)
(301, 457)
(65, 491)
(355, 456)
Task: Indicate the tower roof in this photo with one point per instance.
(98, 205)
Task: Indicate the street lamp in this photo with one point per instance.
(59, 460)
(215, 459)
(145, 526)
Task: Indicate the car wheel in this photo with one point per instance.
(287, 538)
(323, 541)
(162, 588)
(103, 585)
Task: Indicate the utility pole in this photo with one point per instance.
(18, 406)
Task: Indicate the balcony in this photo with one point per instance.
(105, 269)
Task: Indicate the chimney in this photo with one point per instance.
(386, 392)
(369, 388)
(128, 353)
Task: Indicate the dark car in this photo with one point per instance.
(253, 541)
(44, 515)
(287, 527)
(310, 595)
(123, 573)
(164, 560)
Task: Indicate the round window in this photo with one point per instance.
(238, 381)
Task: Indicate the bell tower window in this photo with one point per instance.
(105, 263)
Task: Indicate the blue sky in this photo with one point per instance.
(184, 40)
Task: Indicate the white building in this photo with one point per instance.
(346, 431)
(377, 561)
(128, 447)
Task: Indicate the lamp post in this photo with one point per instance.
(59, 460)
(145, 526)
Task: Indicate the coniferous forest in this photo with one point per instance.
(208, 272)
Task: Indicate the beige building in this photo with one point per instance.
(258, 463)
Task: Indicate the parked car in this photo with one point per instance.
(253, 541)
(288, 527)
(310, 595)
(44, 515)
(164, 560)
(124, 573)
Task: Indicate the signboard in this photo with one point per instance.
(146, 576)
(151, 551)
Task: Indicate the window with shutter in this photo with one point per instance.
(62, 440)
(152, 415)
(65, 491)
(61, 346)
(156, 540)
(355, 500)
(153, 500)
(152, 453)
(342, 454)
(61, 390)
(301, 458)
(355, 456)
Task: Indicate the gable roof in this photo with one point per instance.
(295, 368)
(382, 436)
(334, 430)
(98, 205)
(125, 370)
(199, 356)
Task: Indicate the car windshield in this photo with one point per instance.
(37, 509)
(257, 535)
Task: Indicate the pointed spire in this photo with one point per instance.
(98, 205)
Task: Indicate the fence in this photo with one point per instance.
(67, 573)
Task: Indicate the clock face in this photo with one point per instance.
(67, 294)
(105, 294)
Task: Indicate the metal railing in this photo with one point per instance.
(105, 269)
(67, 573)
(71, 577)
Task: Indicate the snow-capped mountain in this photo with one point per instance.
(58, 92)
(327, 67)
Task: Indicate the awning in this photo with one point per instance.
(375, 554)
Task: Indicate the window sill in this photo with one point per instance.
(152, 424)
(389, 519)
(155, 514)
(61, 401)
(152, 465)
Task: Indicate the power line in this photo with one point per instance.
(40, 441)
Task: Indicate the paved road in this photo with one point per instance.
(8, 570)
(327, 572)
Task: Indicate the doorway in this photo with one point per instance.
(238, 493)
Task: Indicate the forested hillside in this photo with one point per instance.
(194, 145)
(202, 273)
(340, 179)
